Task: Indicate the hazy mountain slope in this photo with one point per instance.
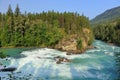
(108, 15)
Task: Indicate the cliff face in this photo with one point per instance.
(70, 43)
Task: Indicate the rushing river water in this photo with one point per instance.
(39, 64)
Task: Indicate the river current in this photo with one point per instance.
(39, 64)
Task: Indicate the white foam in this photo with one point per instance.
(110, 53)
(37, 59)
(40, 62)
(94, 50)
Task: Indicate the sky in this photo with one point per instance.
(89, 8)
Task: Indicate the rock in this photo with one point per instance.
(91, 47)
(67, 44)
(66, 60)
(95, 47)
(60, 60)
(8, 69)
(57, 57)
(68, 53)
(70, 43)
(74, 52)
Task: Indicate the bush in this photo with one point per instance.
(79, 44)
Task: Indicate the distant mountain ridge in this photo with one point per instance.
(108, 15)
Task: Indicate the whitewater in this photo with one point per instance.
(40, 64)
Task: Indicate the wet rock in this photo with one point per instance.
(8, 69)
(57, 57)
(74, 52)
(91, 47)
(95, 47)
(60, 60)
(68, 53)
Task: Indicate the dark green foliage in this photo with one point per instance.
(2, 55)
(9, 12)
(91, 40)
(44, 29)
(17, 11)
(79, 44)
(108, 32)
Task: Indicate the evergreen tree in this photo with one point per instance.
(9, 11)
(17, 11)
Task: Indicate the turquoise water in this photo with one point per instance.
(39, 64)
(14, 52)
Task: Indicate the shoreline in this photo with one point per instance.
(113, 44)
(69, 52)
(20, 47)
(110, 43)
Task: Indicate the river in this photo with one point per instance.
(39, 64)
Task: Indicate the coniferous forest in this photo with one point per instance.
(39, 29)
(109, 32)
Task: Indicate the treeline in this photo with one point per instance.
(39, 29)
(108, 32)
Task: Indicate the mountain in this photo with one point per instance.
(108, 15)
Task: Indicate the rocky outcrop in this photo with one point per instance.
(70, 43)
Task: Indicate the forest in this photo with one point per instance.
(109, 32)
(43, 29)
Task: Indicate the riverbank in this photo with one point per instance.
(69, 52)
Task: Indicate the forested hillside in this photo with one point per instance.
(44, 29)
(107, 16)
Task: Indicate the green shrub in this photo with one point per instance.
(79, 44)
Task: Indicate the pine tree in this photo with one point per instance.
(17, 11)
(9, 12)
